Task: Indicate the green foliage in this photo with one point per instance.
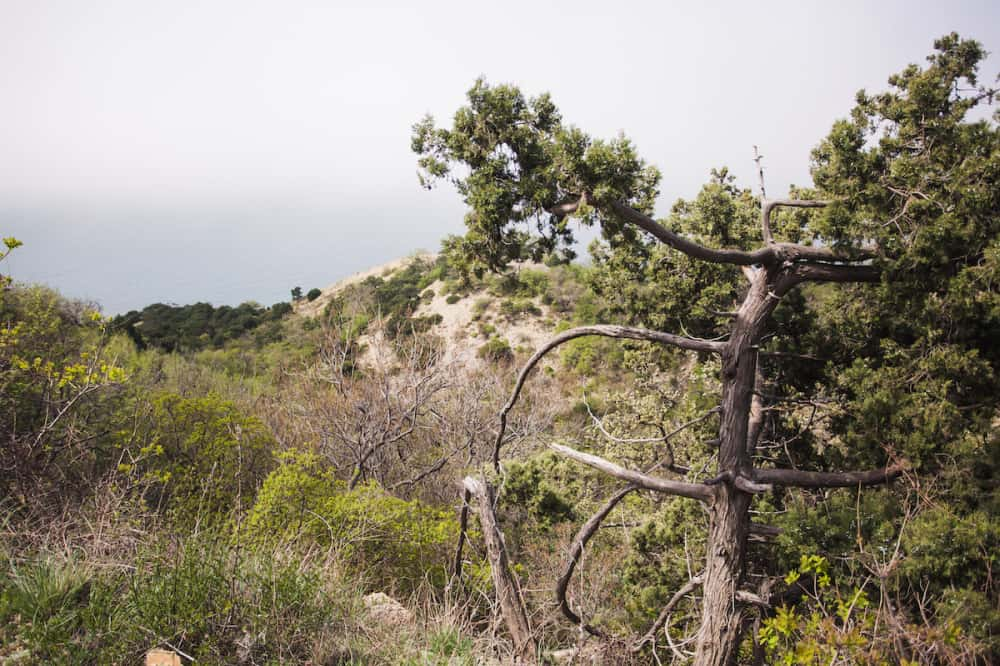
(194, 327)
(279, 310)
(11, 244)
(452, 299)
(518, 307)
(204, 596)
(200, 458)
(534, 487)
(58, 384)
(655, 564)
(396, 298)
(496, 350)
(517, 161)
(313, 294)
(398, 544)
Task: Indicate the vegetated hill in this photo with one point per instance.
(477, 320)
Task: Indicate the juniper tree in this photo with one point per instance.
(878, 290)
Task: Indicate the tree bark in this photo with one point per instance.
(508, 591)
(729, 517)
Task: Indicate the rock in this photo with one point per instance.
(383, 608)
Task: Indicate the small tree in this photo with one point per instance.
(904, 221)
(296, 293)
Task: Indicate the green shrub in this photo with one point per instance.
(198, 455)
(217, 602)
(513, 308)
(279, 310)
(479, 307)
(452, 299)
(496, 350)
(395, 542)
(313, 294)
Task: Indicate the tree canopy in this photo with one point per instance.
(856, 322)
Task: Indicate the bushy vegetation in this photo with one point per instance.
(186, 328)
(232, 482)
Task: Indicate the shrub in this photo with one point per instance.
(313, 294)
(279, 310)
(199, 455)
(400, 543)
(496, 350)
(479, 307)
(512, 308)
(452, 299)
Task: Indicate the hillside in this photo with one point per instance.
(465, 318)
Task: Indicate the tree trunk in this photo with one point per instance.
(729, 518)
(719, 636)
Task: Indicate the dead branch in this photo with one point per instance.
(624, 332)
(696, 491)
(803, 479)
(507, 588)
(576, 549)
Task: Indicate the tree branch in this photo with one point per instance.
(767, 205)
(463, 527)
(625, 332)
(835, 273)
(507, 588)
(664, 615)
(576, 549)
(770, 255)
(696, 491)
(802, 479)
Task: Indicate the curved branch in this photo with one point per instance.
(769, 255)
(802, 479)
(696, 491)
(689, 247)
(664, 615)
(576, 549)
(625, 332)
(767, 205)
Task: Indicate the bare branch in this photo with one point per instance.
(756, 422)
(762, 533)
(463, 527)
(757, 157)
(748, 486)
(836, 273)
(765, 213)
(750, 598)
(771, 255)
(664, 615)
(802, 479)
(576, 549)
(688, 247)
(696, 491)
(625, 332)
(507, 588)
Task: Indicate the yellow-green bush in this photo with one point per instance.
(393, 542)
(201, 457)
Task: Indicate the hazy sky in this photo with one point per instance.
(229, 150)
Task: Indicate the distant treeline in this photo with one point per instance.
(198, 326)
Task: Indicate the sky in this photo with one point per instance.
(228, 150)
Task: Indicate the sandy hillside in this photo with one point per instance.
(460, 326)
(314, 308)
